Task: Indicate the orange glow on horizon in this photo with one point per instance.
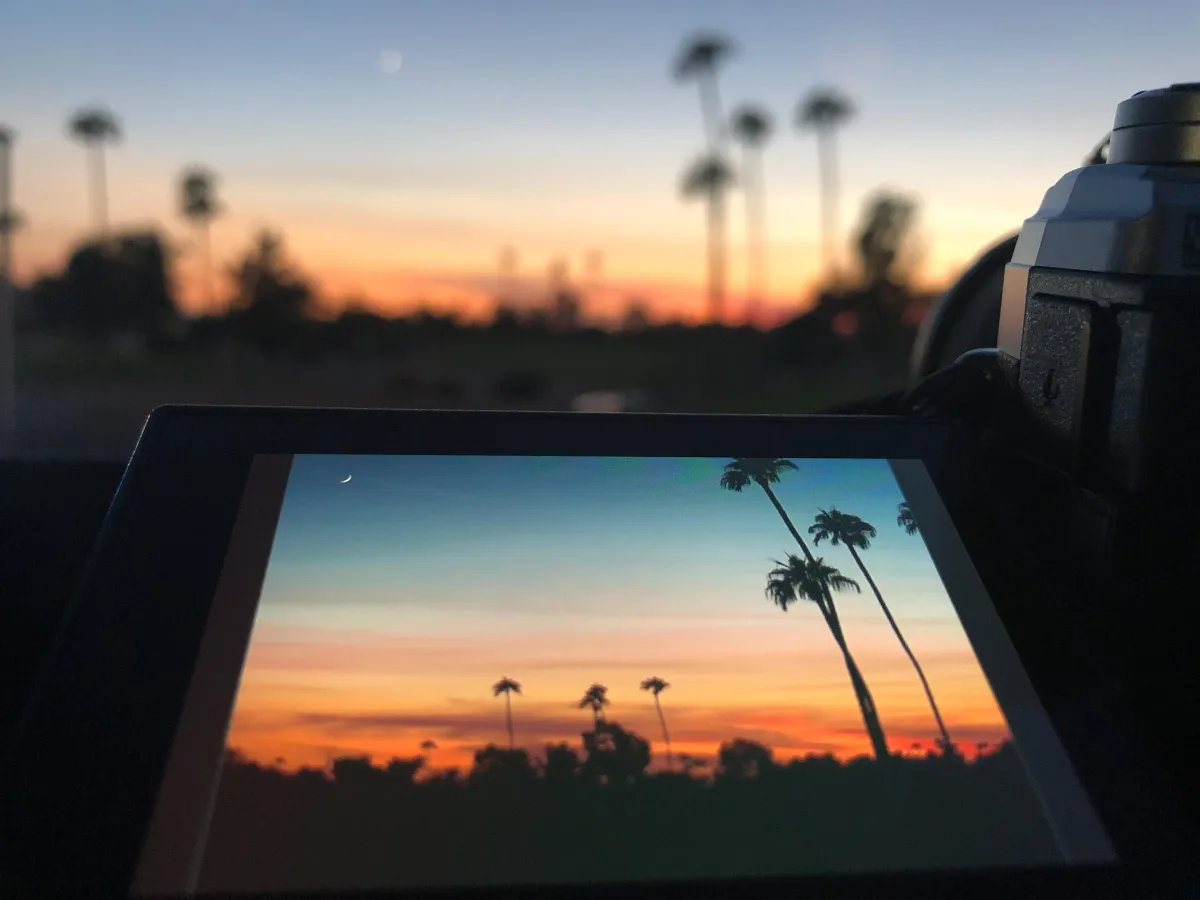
(669, 280)
(309, 695)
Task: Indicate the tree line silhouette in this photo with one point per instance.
(599, 811)
(596, 812)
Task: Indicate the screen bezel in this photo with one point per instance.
(108, 710)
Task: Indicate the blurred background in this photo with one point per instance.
(710, 205)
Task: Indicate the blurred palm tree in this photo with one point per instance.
(813, 580)
(10, 221)
(710, 177)
(699, 60)
(656, 686)
(855, 534)
(905, 519)
(95, 127)
(823, 111)
(752, 127)
(595, 698)
(507, 687)
(198, 204)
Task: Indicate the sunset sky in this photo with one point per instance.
(552, 126)
(393, 602)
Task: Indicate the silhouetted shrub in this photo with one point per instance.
(603, 815)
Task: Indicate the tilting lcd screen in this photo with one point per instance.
(526, 670)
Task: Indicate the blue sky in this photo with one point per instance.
(554, 125)
(563, 536)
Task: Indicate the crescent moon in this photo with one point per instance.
(346, 480)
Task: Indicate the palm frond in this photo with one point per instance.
(752, 124)
(823, 107)
(504, 686)
(708, 174)
(701, 54)
(94, 125)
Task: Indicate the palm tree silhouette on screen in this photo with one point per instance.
(823, 111)
(595, 698)
(815, 581)
(854, 534)
(198, 204)
(507, 687)
(740, 473)
(94, 128)
(743, 471)
(699, 60)
(905, 518)
(752, 128)
(709, 178)
(656, 686)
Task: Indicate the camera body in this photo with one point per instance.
(1091, 457)
(1100, 316)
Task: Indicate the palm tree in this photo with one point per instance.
(10, 221)
(740, 473)
(698, 60)
(743, 471)
(595, 698)
(813, 580)
(752, 128)
(507, 687)
(198, 204)
(855, 534)
(823, 112)
(94, 127)
(709, 177)
(906, 519)
(656, 686)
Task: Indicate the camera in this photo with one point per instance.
(1088, 410)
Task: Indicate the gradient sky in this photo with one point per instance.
(394, 602)
(551, 125)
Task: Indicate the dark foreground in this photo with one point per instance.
(510, 821)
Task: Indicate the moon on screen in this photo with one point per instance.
(346, 480)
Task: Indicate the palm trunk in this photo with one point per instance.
(786, 519)
(937, 715)
(710, 109)
(716, 255)
(755, 227)
(866, 702)
(508, 719)
(210, 299)
(827, 162)
(99, 188)
(662, 720)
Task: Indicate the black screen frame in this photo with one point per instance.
(107, 709)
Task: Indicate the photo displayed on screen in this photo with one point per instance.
(520, 670)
